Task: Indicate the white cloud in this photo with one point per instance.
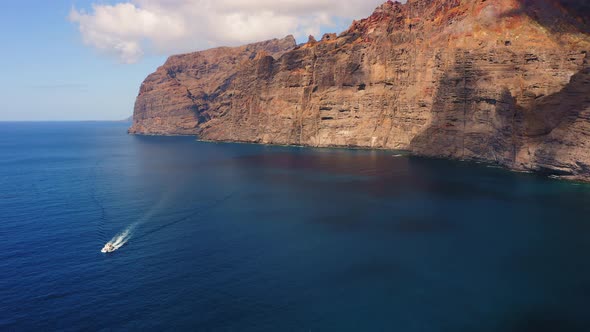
(131, 29)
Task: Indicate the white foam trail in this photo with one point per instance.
(120, 239)
(123, 237)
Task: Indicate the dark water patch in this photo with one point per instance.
(423, 225)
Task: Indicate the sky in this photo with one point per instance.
(85, 59)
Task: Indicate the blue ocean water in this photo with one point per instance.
(233, 237)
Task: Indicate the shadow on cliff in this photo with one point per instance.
(557, 109)
(455, 130)
(458, 131)
(444, 135)
(558, 16)
(552, 122)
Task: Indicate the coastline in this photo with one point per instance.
(406, 153)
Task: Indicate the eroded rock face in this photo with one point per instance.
(505, 81)
(182, 94)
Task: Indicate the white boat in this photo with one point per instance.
(108, 248)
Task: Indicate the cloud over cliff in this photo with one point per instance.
(128, 30)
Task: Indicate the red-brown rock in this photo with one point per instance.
(505, 81)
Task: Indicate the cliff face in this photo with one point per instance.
(506, 81)
(185, 92)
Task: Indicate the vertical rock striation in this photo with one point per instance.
(181, 94)
(505, 81)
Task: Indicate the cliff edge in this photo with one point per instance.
(503, 81)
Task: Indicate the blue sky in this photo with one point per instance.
(49, 74)
(51, 71)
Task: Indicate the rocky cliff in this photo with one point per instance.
(505, 81)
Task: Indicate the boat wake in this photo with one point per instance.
(119, 240)
(123, 237)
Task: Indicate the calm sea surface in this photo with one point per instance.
(231, 237)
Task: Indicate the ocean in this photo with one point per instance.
(237, 237)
